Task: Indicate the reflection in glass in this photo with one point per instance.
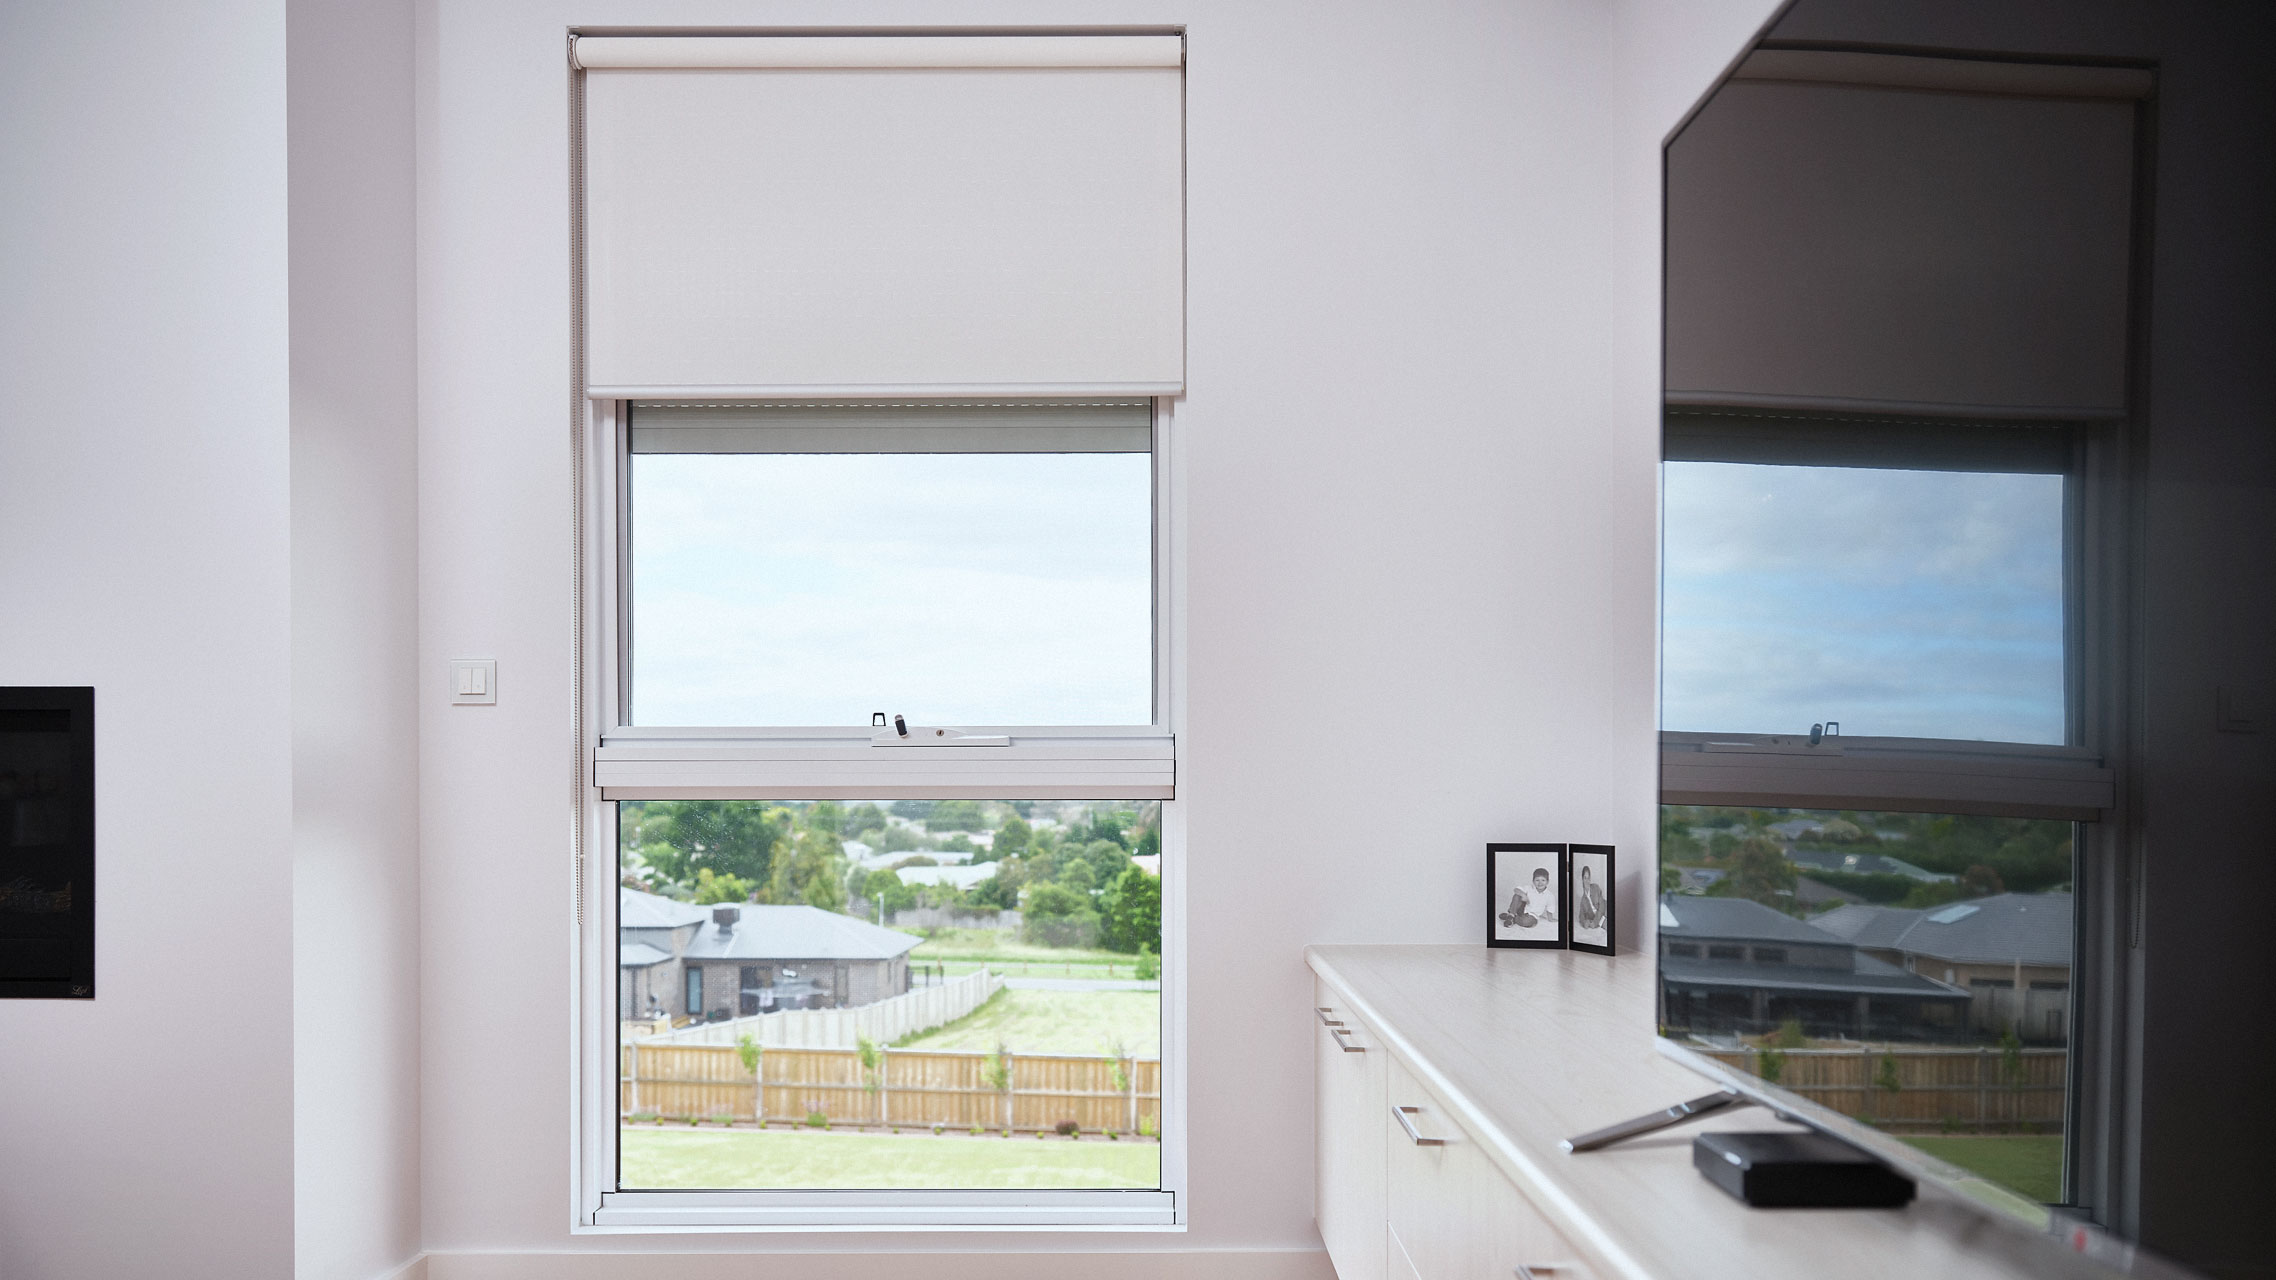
(1911, 970)
(892, 994)
(960, 589)
(1898, 603)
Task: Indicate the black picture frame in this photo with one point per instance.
(1513, 895)
(1600, 862)
(47, 843)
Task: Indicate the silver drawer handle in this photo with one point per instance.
(1533, 1271)
(1405, 1116)
(1325, 1020)
(1342, 1037)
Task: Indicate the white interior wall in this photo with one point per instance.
(144, 533)
(355, 1024)
(1421, 460)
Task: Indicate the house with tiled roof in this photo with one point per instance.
(2010, 951)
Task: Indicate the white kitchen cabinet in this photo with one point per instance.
(1348, 1093)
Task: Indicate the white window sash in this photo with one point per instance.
(2016, 780)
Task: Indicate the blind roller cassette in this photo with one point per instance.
(878, 216)
(821, 426)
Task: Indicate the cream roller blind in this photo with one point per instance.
(1888, 245)
(883, 216)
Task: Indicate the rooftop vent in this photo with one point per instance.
(1952, 915)
(725, 917)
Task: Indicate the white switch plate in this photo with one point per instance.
(473, 681)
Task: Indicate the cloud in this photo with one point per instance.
(1900, 603)
(812, 589)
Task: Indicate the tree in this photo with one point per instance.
(860, 819)
(731, 837)
(1149, 843)
(1130, 911)
(711, 887)
(1980, 881)
(1012, 837)
(956, 815)
(1001, 890)
(1045, 901)
(1759, 870)
(1077, 875)
(811, 872)
(1107, 860)
(886, 890)
(1057, 916)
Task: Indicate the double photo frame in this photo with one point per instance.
(1551, 897)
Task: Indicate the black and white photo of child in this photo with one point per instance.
(1528, 906)
(1531, 904)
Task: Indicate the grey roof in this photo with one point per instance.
(2006, 928)
(1736, 918)
(639, 955)
(961, 877)
(637, 910)
(797, 933)
(1868, 977)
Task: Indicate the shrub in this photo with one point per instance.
(1149, 965)
(748, 1050)
(722, 1119)
(816, 1120)
(1769, 1064)
(938, 1128)
(1066, 1128)
(1147, 1128)
(975, 1131)
(642, 1117)
(1007, 1133)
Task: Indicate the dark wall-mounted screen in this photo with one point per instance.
(47, 842)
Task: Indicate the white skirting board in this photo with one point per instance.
(1224, 1264)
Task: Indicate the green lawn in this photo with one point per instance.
(1074, 1022)
(679, 1157)
(2028, 1164)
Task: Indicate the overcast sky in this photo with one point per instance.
(957, 589)
(1900, 603)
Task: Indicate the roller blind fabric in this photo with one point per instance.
(880, 216)
(1112, 426)
(1877, 248)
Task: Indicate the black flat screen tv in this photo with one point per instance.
(47, 843)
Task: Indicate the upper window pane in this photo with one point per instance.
(1898, 603)
(955, 587)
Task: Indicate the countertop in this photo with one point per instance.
(1531, 1047)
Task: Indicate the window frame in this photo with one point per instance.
(2084, 781)
(615, 761)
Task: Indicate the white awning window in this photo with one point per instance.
(885, 216)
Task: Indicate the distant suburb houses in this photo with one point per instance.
(1962, 972)
(711, 963)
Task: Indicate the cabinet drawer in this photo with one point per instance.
(1349, 1093)
(1452, 1212)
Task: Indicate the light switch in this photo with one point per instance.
(474, 681)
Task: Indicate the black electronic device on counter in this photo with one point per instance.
(1798, 1171)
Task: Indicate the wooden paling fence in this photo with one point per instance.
(912, 1088)
(1974, 1088)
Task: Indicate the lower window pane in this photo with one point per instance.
(913, 994)
(1910, 970)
